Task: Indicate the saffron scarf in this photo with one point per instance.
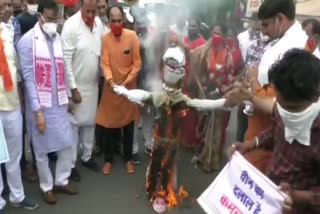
(4, 69)
(43, 69)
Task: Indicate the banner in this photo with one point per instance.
(4, 155)
(241, 189)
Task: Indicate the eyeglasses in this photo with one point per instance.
(48, 20)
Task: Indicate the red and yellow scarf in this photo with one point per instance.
(4, 69)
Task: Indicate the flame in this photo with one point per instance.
(183, 193)
(172, 199)
(160, 175)
(183, 113)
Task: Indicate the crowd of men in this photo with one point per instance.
(57, 81)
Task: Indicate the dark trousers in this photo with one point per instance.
(242, 123)
(99, 131)
(110, 140)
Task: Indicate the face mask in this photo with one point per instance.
(298, 125)
(49, 28)
(88, 21)
(217, 39)
(311, 45)
(116, 29)
(32, 8)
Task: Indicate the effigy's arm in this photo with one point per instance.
(135, 95)
(208, 105)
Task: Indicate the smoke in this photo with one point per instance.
(159, 17)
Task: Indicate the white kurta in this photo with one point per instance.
(244, 43)
(82, 49)
(295, 37)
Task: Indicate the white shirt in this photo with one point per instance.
(295, 37)
(82, 50)
(244, 43)
(9, 101)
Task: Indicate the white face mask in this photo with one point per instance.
(50, 29)
(298, 125)
(32, 8)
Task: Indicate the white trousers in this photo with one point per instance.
(62, 171)
(85, 139)
(143, 129)
(12, 127)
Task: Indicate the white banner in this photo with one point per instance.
(242, 189)
(4, 155)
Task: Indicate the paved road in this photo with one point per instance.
(121, 193)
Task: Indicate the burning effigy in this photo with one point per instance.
(171, 105)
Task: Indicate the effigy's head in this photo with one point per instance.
(174, 71)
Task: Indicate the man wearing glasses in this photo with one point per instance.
(46, 93)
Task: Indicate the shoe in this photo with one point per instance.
(107, 168)
(91, 164)
(130, 167)
(75, 175)
(27, 203)
(49, 197)
(67, 189)
(135, 159)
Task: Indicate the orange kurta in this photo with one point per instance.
(121, 62)
(257, 123)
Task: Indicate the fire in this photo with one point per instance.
(183, 113)
(161, 173)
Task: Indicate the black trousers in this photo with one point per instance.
(242, 123)
(111, 137)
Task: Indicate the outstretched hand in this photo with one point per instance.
(238, 94)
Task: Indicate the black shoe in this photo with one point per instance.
(75, 175)
(91, 164)
(135, 159)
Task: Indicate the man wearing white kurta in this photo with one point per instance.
(81, 35)
(278, 22)
(11, 120)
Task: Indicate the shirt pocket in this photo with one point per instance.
(126, 56)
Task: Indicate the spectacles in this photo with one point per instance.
(48, 20)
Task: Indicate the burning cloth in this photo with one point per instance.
(171, 105)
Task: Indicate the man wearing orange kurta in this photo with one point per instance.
(120, 62)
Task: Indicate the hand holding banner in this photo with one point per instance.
(241, 189)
